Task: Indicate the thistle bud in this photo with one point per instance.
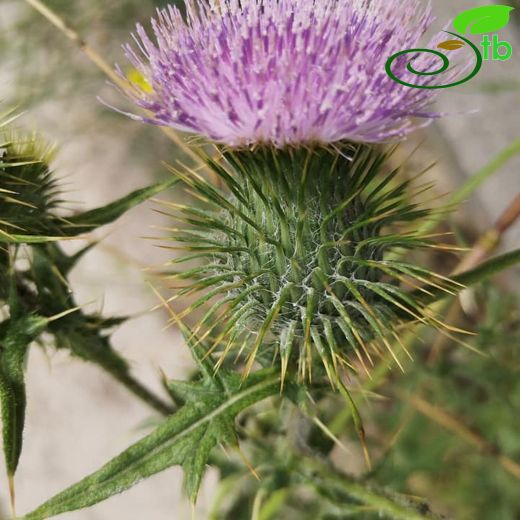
(28, 189)
(296, 240)
(295, 248)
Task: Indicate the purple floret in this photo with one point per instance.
(284, 72)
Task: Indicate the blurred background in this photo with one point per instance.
(78, 417)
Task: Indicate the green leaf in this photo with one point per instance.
(463, 193)
(16, 334)
(485, 19)
(90, 220)
(30, 196)
(479, 274)
(85, 336)
(489, 268)
(186, 438)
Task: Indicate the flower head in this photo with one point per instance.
(29, 193)
(283, 72)
(298, 266)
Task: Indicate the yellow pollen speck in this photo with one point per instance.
(135, 77)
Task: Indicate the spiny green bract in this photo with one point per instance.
(295, 249)
(28, 190)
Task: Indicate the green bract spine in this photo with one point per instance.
(295, 249)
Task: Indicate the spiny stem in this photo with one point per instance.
(489, 268)
(482, 272)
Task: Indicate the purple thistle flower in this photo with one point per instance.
(284, 72)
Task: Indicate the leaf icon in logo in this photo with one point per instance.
(485, 19)
(451, 45)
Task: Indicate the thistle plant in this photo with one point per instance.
(292, 250)
(297, 258)
(296, 243)
(37, 300)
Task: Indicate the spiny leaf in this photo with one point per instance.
(16, 334)
(85, 336)
(186, 438)
(484, 19)
(289, 242)
(90, 220)
(479, 274)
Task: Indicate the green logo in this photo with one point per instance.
(480, 20)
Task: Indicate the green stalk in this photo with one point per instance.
(473, 276)
(376, 499)
(475, 181)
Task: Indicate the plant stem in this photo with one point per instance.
(487, 269)
(469, 187)
(484, 247)
(492, 238)
(472, 276)
(102, 64)
(140, 391)
(454, 425)
(361, 492)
